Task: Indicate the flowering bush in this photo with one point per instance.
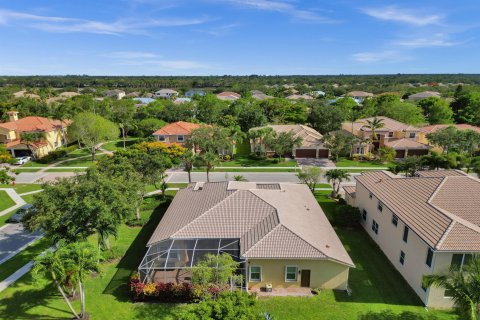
(174, 293)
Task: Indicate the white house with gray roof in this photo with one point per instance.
(424, 225)
(277, 232)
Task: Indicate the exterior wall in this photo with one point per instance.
(349, 199)
(54, 140)
(390, 241)
(323, 273)
(172, 138)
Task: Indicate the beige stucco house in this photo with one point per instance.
(54, 135)
(423, 225)
(176, 132)
(277, 232)
(311, 145)
(403, 138)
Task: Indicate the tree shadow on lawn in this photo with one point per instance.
(153, 311)
(20, 302)
(374, 280)
(118, 285)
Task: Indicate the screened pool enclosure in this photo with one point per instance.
(172, 260)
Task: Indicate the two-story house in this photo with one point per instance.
(54, 135)
(424, 225)
(176, 132)
(403, 138)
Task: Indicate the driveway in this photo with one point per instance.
(315, 162)
(13, 237)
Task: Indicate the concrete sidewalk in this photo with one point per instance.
(15, 197)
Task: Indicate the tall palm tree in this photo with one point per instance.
(337, 176)
(463, 286)
(373, 125)
(209, 160)
(29, 139)
(188, 159)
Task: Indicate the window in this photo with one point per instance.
(390, 134)
(380, 206)
(405, 233)
(394, 220)
(459, 260)
(360, 150)
(180, 138)
(370, 195)
(161, 138)
(428, 262)
(291, 273)
(364, 215)
(402, 257)
(375, 226)
(448, 293)
(411, 135)
(255, 273)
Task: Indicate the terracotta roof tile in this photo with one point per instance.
(179, 127)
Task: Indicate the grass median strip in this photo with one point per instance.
(5, 200)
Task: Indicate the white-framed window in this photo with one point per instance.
(161, 138)
(395, 220)
(390, 134)
(375, 226)
(459, 260)
(180, 138)
(402, 257)
(360, 150)
(291, 273)
(255, 274)
(411, 135)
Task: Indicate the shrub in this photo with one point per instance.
(347, 216)
(52, 156)
(227, 157)
(136, 223)
(111, 254)
(254, 156)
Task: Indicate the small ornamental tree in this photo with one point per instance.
(337, 176)
(310, 175)
(386, 154)
(218, 269)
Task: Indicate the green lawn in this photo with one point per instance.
(28, 198)
(118, 144)
(83, 162)
(375, 283)
(245, 161)
(22, 187)
(343, 162)
(33, 164)
(20, 170)
(323, 185)
(5, 200)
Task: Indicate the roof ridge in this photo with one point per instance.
(444, 235)
(266, 234)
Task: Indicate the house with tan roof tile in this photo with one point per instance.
(228, 96)
(277, 232)
(424, 131)
(403, 138)
(311, 145)
(424, 225)
(54, 135)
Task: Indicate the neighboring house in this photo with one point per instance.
(182, 100)
(312, 145)
(229, 96)
(115, 94)
(277, 232)
(134, 94)
(24, 94)
(259, 95)
(424, 225)
(165, 94)
(63, 96)
(424, 131)
(54, 134)
(299, 97)
(191, 93)
(177, 132)
(402, 137)
(423, 95)
(359, 96)
(317, 93)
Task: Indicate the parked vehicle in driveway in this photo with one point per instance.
(23, 160)
(24, 210)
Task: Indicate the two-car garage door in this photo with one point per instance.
(311, 153)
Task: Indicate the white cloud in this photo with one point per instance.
(381, 56)
(284, 7)
(131, 55)
(392, 13)
(425, 42)
(152, 61)
(71, 25)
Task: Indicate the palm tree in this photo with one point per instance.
(239, 178)
(462, 284)
(337, 176)
(68, 265)
(30, 138)
(373, 125)
(209, 160)
(188, 159)
(435, 161)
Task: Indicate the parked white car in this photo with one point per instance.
(22, 160)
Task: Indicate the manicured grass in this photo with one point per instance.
(4, 218)
(323, 185)
(32, 163)
(118, 144)
(28, 198)
(245, 161)
(375, 283)
(343, 162)
(106, 295)
(22, 187)
(5, 200)
(243, 149)
(83, 162)
(66, 170)
(22, 258)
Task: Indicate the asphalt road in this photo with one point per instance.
(13, 237)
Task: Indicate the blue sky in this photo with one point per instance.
(216, 37)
